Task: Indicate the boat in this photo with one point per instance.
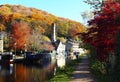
(37, 58)
(6, 58)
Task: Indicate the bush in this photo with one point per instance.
(99, 67)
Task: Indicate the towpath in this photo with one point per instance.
(82, 72)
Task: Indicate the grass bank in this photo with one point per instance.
(64, 74)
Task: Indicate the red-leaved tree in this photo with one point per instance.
(105, 25)
(20, 35)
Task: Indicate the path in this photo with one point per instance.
(82, 73)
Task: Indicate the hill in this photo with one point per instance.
(21, 23)
(38, 19)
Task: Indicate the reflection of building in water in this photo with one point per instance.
(6, 69)
(61, 61)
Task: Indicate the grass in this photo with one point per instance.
(64, 74)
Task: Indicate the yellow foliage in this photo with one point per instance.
(5, 10)
(16, 15)
(62, 39)
(45, 38)
(41, 30)
(37, 16)
(2, 27)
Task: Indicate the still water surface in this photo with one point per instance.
(26, 72)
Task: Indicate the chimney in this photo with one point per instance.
(54, 32)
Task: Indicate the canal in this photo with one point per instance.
(21, 72)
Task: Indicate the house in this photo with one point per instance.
(73, 46)
(2, 35)
(59, 46)
(68, 46)
(60, 49)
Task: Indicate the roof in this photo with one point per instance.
(56, 44)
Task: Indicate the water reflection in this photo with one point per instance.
(26, 72)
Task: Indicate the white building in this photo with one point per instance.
(60, 47)
(2, 35)
(74, 46)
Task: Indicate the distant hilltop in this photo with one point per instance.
(36, 18)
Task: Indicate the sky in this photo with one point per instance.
(71, 9)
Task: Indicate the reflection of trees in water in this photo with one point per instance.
(28, 73)
(21, 73)
(42, 74)
(38, 75)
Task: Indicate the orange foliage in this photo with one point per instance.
(37, 16)
(2, 27)
(22, 73)
(73, 31)
(41, 20)
(16, 15)
(20, 35)
(5, 18)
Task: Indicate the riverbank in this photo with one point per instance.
(64, 74)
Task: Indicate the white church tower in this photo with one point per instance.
(54, 32)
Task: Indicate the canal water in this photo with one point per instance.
(21, 72)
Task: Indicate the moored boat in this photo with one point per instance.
(37, 58)
(6, 58)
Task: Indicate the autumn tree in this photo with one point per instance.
(37, 25)
(105, 26)
(20, 35)
(73, 31)
(35, 40)
(38, 41)
(36, 20)
(2, 27)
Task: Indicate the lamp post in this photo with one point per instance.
(25, 47)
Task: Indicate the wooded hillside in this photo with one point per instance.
(30, 27)
(37, 19)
